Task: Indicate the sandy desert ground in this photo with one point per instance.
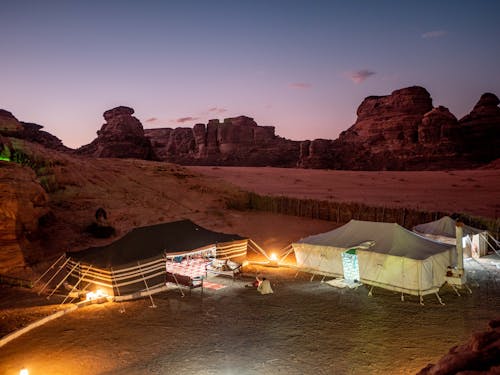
(303, 328)
(475, 192)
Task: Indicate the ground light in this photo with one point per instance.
(90, 296)
(24, 371)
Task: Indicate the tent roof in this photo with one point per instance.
(151, 241)
(444, 227)
(390, 238)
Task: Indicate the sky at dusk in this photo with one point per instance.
(301, 66)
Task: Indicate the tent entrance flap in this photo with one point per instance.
(350, 265)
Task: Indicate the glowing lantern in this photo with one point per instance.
(24, 371)
(95, 295)
(273, 257)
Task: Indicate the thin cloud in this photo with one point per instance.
(300, 85)
(360, 75)
(152, 119)
(217, 110)
(182, 120)
(434, 34)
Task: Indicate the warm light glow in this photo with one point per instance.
(95, 295)
(273, 257)
(24, 371)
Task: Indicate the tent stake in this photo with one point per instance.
(147, 288)
(439, 299)
(402, 297)
(122, 307)
(370, 292)
(422, 300)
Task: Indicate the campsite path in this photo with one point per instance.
(304, 327)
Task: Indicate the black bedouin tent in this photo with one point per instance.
(135, 264)
(152, 241)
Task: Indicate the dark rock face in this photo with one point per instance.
(316, 154)
(402, 131)
(9, 125)
(385, 132)
(480, 355)
(33, 133)
(22, 202)
(122, 136)
(236, 141)
(480, 129)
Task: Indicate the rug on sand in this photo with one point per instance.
(210, 285)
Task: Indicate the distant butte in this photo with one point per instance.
(400, 131)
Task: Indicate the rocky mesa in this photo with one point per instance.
(400, 131)
(237, 141)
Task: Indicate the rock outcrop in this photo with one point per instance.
(235, 141)
(480, 355)
(400, 131)
(9, 125)
(316, 154)
(22, 203)
(122, 136)
(480, 129)
(403, 131)
(34, 133)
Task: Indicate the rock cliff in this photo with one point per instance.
(9, 125)
(400, 131)
(235, 141)
(403, 131)
(122, 136)
(480, 139)
(22, 203)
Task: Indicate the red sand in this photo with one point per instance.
(475, 192)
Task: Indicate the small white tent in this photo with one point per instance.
(397, 259)
(474, 241)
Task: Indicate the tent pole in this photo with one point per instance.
(260, 249)
(147, 288)
(485, 238)
(77, 283)
(439, 299)
(53, 276)
(288, 252)
(122, 308)
(63, 280)
(48, 269)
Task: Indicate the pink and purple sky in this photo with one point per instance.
(301, 66)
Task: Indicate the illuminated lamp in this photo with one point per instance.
(273, 260)
(90, 296)
(24, 371)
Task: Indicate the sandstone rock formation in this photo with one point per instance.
(480, 129)
(403, 131)
(22, 202)
(235, 141)
(480, 355)
(316, 154)
(9, 125)
(122, 136)
(33, 133)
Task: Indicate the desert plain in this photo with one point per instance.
(305, 327)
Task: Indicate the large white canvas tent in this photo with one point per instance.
(474, 241)
(395, 258)
(136, 263)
